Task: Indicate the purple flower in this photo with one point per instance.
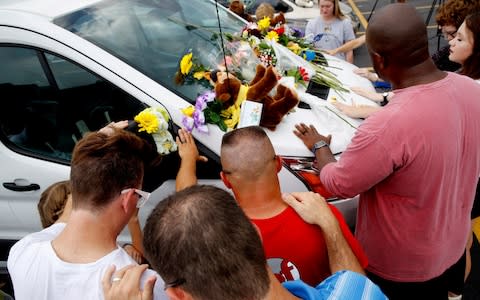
(188, 123)
(203, 99)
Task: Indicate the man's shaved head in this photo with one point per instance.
(398, 33)
(247, 153)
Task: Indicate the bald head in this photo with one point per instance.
(247, 153)
(398, 33)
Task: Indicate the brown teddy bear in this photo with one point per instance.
(237, 7)
(265, 9)
(228, 88)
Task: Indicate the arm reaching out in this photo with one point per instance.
(356, 111)
(187, 174)
(309, 136)
(313, 209)
(135, 250)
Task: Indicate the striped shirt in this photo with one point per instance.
(344, 285)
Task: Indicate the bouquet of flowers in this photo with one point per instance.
(154, 121)
(194, 116)
(300, 75)
(209, 110)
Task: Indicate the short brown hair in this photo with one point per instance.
(202, 236)
(246, 152)
(52, 202)
(103, 165)
(454, 12)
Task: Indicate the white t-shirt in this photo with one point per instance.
(38, 273)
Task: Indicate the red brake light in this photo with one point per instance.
(305, 170)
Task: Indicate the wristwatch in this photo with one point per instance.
(319, 145)
(385, 99)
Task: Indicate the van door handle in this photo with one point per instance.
(21, 188)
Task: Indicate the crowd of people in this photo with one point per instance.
(415, 164)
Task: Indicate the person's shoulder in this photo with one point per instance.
(315, 20)
(350, 285)
(29, 246)
(46, 234)
(122, 259)
(342, 285)
(458, 79)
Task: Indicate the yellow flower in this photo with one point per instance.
(188, 111)
(294, 47)
(186, 63)
(263, 23)
(234, 116)
(199, 75)
(147, 121)
(272, 35)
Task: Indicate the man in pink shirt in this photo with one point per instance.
(415, 163)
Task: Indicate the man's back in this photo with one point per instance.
(38, 273)
(419, 162)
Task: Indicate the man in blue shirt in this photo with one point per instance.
(204, 247)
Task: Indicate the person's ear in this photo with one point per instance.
(225, 180)
(127, 198)
(378, 61)
(176, 293)
(278, 162)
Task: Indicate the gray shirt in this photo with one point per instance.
(330, 35)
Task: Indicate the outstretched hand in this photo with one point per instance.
(374, 96)
(108, 130)
(355, 111)
(364, 72)
(309, 135)
(312, 208)
(125, 284)
(187, 148)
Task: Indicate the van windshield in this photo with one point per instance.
(153, 35)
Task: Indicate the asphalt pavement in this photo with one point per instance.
(364, 9)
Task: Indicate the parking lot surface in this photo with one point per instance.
(426, 8)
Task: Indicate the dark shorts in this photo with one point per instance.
(476, 203)
(436, 288)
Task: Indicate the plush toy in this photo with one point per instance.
(230, 91)
(266, 10)
(237, 7)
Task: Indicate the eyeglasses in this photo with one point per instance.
(143, 196)
(174, 283)
(448, 35)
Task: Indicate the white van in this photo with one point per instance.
(72, 66)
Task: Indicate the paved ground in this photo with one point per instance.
(424, 7)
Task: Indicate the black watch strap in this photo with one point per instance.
(385, 99)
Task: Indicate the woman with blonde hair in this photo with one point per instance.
(331, 29)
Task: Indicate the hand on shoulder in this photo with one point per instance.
(125, 284)
(312, 208)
